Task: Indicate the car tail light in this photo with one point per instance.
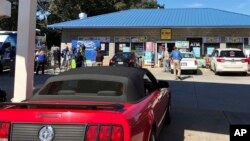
(195, 62)
(110, 61)
(131, 61)
(244, 61)
(221, 60)
(92, 133)
(4, 131)
(117, 133)
(104, 133)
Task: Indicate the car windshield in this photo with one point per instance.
(83, 87)
(232, 53)
(187, 55)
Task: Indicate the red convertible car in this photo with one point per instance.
(91, 104)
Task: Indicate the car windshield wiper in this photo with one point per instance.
(115, 106)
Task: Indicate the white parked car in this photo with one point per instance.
(188, 62)
(228, 60)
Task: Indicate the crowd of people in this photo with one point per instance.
(71, 58)
(68, 58)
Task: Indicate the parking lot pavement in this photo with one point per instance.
(203, 105)
(203, 75)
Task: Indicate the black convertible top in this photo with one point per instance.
(131, 78)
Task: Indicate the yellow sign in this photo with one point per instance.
(166, 34)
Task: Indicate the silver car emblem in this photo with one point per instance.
(46, 133)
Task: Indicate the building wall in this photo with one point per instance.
(154, 34)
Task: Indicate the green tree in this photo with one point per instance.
(65, 10)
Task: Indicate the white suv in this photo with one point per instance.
(228, 60)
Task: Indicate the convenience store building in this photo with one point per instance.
(196, 29)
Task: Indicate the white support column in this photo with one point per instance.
(24, 73)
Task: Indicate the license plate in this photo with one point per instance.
(120, 63)
(183, 64)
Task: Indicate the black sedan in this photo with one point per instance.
(127, 59)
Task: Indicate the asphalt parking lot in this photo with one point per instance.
(203, 105)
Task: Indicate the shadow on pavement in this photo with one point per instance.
(185, 72)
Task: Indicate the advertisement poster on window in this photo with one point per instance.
(139, 50)
(182, 44)
(197, 52)
(90, 48)
(149, 53)
(210, 50)
(126, 49)
(148, 58)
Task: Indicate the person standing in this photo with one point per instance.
(99, 58)
(176, 57)
(79, 60)
(166, 60)
(65, 58)
(41, 58)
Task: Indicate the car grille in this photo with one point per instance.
(30, 132)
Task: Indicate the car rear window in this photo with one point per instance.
(232, 53)
(123, 55)
(187, 55)
(83, 87)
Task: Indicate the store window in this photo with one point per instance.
(138, 45)
(210, 44)
(105, 49)
(234, 42)
(122, 44)
(122, 47)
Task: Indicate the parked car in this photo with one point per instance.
(90, 104)
(127, 59)
(228, 60)
(248, 60)
(188, 62)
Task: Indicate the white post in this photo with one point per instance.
(24, 73)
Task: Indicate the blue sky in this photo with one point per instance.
(238, 6)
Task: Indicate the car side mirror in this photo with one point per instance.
(163, 84)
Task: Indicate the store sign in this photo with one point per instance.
(211, 39)
(182, 44)
(123, 39)
(234, 40)
(104, 39)
(195, 44)
(138, 39)
(166, 34)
